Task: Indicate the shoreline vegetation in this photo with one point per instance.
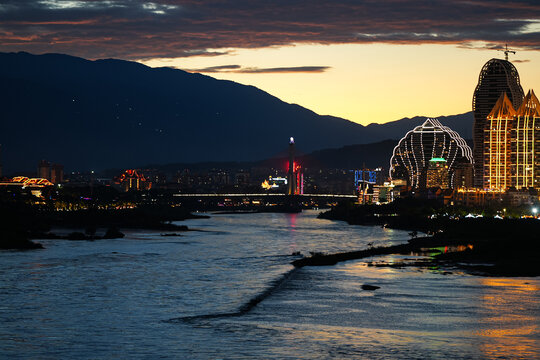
(20, 225)
(481, 246)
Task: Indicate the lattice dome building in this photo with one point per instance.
(411, 157)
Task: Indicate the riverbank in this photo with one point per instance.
(12, 239)
(19, 225)
(487, 246)
(484, 257)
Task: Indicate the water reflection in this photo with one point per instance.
(102, 299)
(509, 321)
(291, 222)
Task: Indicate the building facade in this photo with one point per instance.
(44, 170)
(57, 173)
(411, 156)
(496, 77)
(437, 174)
(133, 180)
(498, 145)
(512, 145)
(527, 143)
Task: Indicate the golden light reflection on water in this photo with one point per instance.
(352, 335)
(505, 311)
(361, 268)
(509, 329)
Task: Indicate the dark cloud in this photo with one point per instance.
(294, 69)
(255, 70)
(165, 28)
(215, 69)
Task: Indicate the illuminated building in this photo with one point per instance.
(476, 197)
(57, 173)
(299, 181)
(274, 183)
(132, 180)
(295, 178)
(496, 77)
(364, 181)
(497, 145)
(411, 156)
(241, 178)
(53, 173)
(34, 185)
(44, 170)
(437, 173)
(479, 197)
(511, 154)
(291, 179)
(463, 175)
(23, 181)
(527, 143)
(385, 193)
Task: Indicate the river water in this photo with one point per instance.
(229, 292)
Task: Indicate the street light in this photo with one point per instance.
(534, 210)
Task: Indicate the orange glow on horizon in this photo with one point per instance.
(362, 79)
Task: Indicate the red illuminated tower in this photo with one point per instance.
(291, 179)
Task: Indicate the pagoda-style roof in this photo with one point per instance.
(530, 106)
(503, 108)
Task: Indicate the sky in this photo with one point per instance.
(365, 61)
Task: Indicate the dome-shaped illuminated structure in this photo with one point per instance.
(496, 77)
(411, 156)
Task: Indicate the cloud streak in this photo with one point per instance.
(166, 28)
(255, 70)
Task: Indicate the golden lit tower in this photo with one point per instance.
(527, 143)
(496, 77)
(498, 145)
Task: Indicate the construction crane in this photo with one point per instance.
(506, 52)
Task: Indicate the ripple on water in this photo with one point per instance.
(112, 298)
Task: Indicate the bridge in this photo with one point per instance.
(272, 202)
(329, 196)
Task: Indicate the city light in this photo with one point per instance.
(431, 140)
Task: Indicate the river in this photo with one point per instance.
(228, 291)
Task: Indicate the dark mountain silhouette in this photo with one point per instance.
(350, 157)
(371, 155)
(113, 113)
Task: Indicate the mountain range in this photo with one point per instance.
(120, 114)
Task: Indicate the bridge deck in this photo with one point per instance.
(268, 194)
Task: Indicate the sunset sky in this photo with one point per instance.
(366, 61)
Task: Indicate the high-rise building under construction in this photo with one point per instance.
(496, 77)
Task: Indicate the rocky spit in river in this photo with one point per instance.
(488, 246)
